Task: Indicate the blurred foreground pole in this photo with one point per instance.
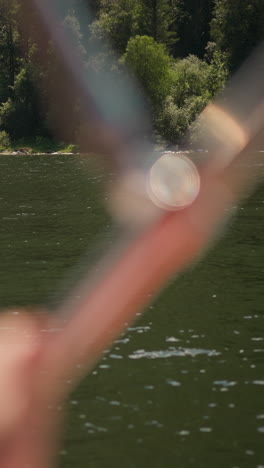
(41, 354)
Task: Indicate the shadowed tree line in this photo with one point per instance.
(181, 51)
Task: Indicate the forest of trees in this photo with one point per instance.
(181, 51)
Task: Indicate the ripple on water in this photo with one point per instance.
(225, 383)
(173, 383)
(154, 423)
(206, 429)
(184, 433)
(139, 329)
(261, 429)
(92, 428)
(172, 339)
(172, 352)
(115, 356)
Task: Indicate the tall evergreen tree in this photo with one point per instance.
(193, 27)
(123, 19)
(237, 26)
(8, 46)
(161, 18)
(119, 20)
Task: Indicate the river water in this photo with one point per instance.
(185, 385)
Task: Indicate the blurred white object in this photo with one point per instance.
(174, 182)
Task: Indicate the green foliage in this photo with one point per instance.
(174, 121)
(7, 114)
(218, 69)
(195, 77)
(17, 114)
(73, 28)
(40, 144)
(119, 21)
(9, 41)
(70, 149)
(4, 141)
(237, 26)
(151, 65)
(144, 33)
(160, 19)
(43, 144)
(194, 84)
(122, 19)
(190, 78)
(193, 27)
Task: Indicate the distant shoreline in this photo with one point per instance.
(64, 153)
(38, 153)
(38, 145)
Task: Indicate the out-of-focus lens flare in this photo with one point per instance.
(138, 198)
(129, 201)
(231, 137)
(229, 124)
(174, 182)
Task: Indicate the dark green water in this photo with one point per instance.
(185, 386)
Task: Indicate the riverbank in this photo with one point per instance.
(40, 145)
(44, 145)
(25, 151)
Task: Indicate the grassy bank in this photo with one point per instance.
(38, 145)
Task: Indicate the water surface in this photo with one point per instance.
(185, 385)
